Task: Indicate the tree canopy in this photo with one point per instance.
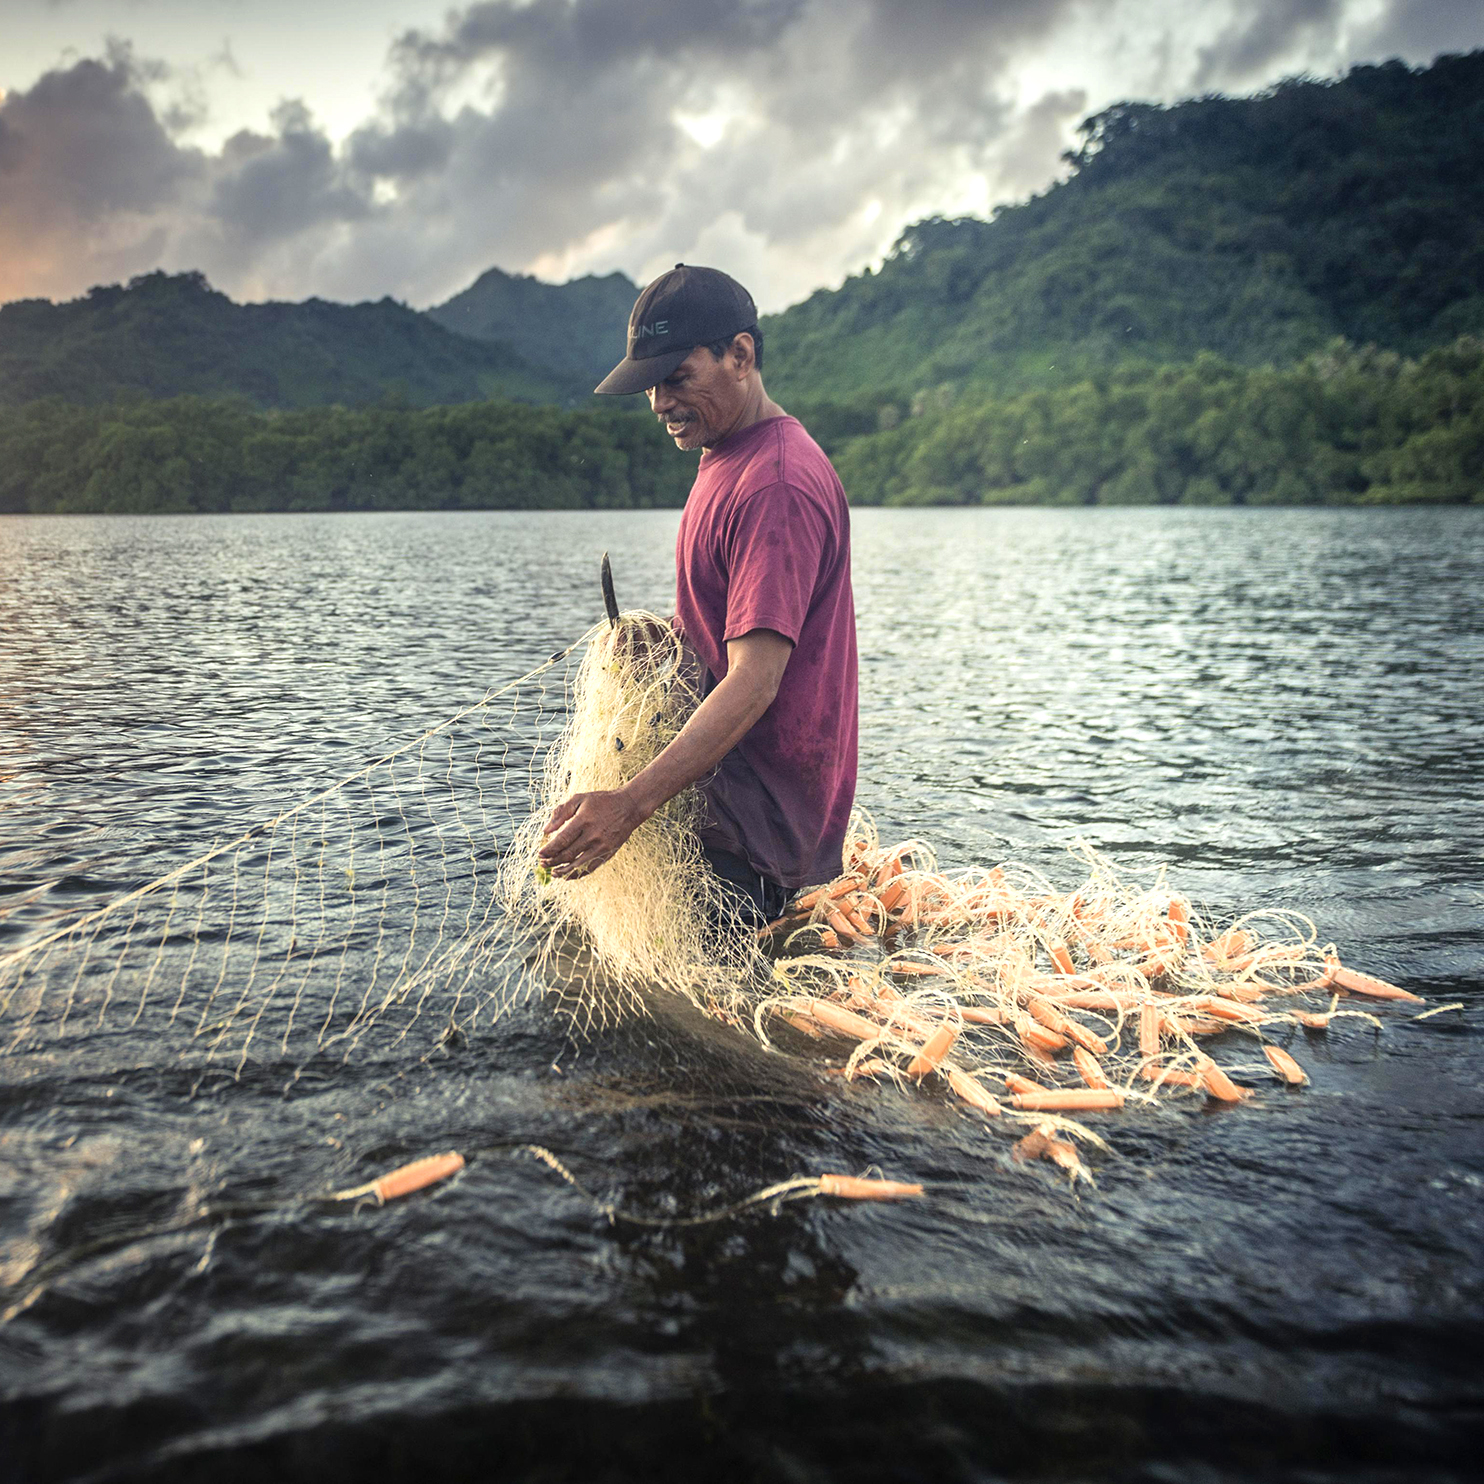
(203, 454)
(1344, 426)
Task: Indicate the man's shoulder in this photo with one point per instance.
(788, 457)
(793, 438)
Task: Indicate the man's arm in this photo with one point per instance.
(588, 828)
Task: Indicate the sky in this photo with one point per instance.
(402, 147)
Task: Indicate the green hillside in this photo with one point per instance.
(575, 331)
(166, 336)
(1277, 299)
(1259, 229)
(1342, 427)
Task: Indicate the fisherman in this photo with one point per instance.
(763, 598)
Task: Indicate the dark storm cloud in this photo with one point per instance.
(583, 37)
(402, 153)
(1420, 30)
(87, 138)
(903, 43)
(276, 185)
(1265, 33)
(82, 157)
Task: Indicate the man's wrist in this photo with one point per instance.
(640, 799)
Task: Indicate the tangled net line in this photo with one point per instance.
(412, 891)
(1017, 998)
(331, 930)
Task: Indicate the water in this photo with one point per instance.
(1282, 705)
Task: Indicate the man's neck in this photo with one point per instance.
(758, 407)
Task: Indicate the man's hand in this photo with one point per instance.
(587, 830)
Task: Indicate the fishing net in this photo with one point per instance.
(405, 906)
(654, 918)
(341, 926)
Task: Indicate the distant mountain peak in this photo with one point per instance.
(169, 334)
(574, 330)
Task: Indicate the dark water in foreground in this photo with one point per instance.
(1282, 705)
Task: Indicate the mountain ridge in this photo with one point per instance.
(165, 335)
(573, 330)
(1258, 229)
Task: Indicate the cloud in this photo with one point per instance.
(1266, 33)
(1420, 30)
(97, 186)
(562, 136)
(564, 133)
(87, 172)
(272, 187)
(789, 140)
(1033, 153)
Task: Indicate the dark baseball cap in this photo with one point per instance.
(680, 310)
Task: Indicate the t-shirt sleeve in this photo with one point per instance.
(777, 542)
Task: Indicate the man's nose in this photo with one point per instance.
(660, 398)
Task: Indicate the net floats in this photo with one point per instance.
(866, 1188)
(405, 1179)
(1104, 995)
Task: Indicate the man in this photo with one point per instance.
(762, 569)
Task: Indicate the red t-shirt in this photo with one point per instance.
(764, 543)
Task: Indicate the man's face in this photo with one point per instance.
(700, 400)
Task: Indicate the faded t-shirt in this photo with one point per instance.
(765, 544)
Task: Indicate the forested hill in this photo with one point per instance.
(573, 330)
(1272, 299)
(1259, 229)
(165, 336)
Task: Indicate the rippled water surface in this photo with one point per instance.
(1283, 706)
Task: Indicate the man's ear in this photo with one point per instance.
(744, 351)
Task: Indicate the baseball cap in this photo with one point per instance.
(680, 310)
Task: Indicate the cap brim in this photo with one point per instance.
(638, 376)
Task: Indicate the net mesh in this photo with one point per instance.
(406, 905)
(346, 922)
(654, 917)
